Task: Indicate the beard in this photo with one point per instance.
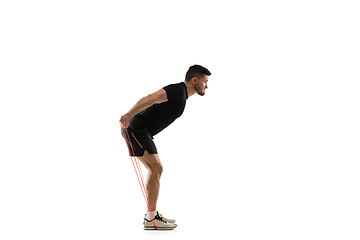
(198, 90)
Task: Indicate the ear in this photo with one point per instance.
(194, 79)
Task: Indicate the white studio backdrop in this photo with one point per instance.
(270, 152)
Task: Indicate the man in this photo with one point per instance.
(149, 116)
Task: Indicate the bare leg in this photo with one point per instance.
(155, 168)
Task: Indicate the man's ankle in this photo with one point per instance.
(151, 215)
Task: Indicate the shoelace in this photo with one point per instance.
(160, 218)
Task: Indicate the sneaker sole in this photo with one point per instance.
(159, 228)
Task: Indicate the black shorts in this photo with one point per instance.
(138, 139)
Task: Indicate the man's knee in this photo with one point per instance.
(152, 163)
(157, 169)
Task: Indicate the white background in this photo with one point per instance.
(270, 152)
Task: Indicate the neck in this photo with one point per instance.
(190, 89)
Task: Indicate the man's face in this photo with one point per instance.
(201, 85)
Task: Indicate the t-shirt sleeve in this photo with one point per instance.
(175, 92)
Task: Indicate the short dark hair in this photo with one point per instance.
(196, 71)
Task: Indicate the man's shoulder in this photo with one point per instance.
(179, 85)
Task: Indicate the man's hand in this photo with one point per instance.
(125, 121)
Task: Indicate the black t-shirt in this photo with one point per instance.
(159, 116)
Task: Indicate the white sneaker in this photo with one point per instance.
(158, 223)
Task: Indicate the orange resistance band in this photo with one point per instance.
(139, 175)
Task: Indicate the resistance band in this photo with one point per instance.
(139, 175)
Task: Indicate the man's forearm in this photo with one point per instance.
(142, 104)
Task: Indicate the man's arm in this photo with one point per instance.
(156, 97)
